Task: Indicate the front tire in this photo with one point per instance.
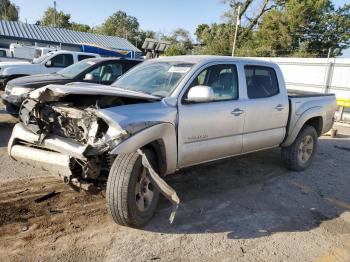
(131, 195)
(299, 155)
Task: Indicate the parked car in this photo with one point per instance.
(176, 111)
(50, 63)
(94, 70)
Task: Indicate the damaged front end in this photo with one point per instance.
(62, 131)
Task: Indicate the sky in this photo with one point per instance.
(157, 15)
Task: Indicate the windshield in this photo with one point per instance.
(154, 78)
(75, 69)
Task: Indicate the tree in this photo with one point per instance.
(122, 25)
(8, 11)
(215, 39)
(57, 19)
(80, 27)
(141, 37)
(62, 21)
(181, 42)
(279, 28)
(303, 27)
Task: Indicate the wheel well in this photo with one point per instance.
(317, 123)
(158, 149)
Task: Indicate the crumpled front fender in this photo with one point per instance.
(162, 131)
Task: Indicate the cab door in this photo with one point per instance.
(211, 130)
(266, 109)
(59, 62)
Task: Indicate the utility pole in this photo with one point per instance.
(236, 30)
(54, 13)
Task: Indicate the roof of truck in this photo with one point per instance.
(209, 58)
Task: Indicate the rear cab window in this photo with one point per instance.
(261, 81)
(82, 57)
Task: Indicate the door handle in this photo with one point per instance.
(237, 112)
(279, 107)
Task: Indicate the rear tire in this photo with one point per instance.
(131, 195)
(299, 155)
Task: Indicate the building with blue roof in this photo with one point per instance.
(29, 34)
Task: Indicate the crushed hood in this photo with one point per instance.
(53, 92)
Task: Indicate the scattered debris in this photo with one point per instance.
(46, 197)
(342, 148)
(164, 188)
(22, 191)
(54, 212)
(155, 258)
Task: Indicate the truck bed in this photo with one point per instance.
(302, 94)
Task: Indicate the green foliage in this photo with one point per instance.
(122, 25)
(62, 19)
(80, 27)
(305, 28)
(142, 35)
(8, 11)
(181, 42)
(215, 39)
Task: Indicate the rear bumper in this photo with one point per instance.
(55, 154)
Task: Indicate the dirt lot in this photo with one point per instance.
(248, 208)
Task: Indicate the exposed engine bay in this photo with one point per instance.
(56, 117)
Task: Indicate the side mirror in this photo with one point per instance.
(88, 77)
(48, 63)
(200, 94)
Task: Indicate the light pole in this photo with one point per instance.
(54, 13)
(236, 30)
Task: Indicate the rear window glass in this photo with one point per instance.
(261, 81)
(82, 57)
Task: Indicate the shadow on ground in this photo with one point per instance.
(5, 133)
(254, 195)
(249, 196)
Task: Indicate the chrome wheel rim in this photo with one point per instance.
(144, 191)
(306, 149)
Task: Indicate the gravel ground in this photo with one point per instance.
(248, 208)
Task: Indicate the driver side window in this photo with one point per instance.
(223, 79)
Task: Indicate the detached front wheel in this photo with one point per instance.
(298, 156)
(131, 194)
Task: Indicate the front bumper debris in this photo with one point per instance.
(55, 154)
(55, 163)
(164, 188)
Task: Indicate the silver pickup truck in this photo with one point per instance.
(176, 112)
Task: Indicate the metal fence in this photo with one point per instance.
(317, 75)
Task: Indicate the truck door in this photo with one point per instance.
(211, 130)
(59, 62)
(266, 109)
